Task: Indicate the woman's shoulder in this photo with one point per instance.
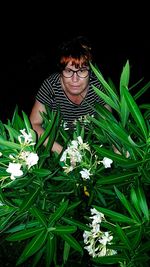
(53, 78)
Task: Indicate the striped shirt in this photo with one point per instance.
(52, 95)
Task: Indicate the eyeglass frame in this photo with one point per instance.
(76, 71)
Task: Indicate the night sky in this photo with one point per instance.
(29, 38)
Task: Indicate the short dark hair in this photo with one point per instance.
(78, 50)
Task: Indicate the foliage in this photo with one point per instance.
(88, 206)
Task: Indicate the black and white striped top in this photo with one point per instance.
(52, 95)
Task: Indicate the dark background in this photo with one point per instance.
(31, 34)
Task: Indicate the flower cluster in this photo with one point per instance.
(78, 154)
(23, 159)
(96, 240)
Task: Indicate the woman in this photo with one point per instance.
(70, 89)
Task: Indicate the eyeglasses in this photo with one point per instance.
(82, 73)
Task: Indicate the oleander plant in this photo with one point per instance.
(88, 206)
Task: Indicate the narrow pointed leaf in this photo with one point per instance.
(136, 113)
(115, 216)
(104, 83)
(110, 259)
(32, 247)
(76, 223)
(117, 178)
(39, 215)
(66, 252)
(72, 242)
(137, 238)
(143, 202)
(106, 98)
(29, 200)
(50, 248)
(135, 201)
(64, 229)
(9, 144)
(22, 235)
(58, 213)
(126, 204)
(123, 237)
(27, 122)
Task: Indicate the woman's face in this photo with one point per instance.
(75, 81)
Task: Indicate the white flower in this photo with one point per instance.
(85, 174)
(75, 156)
(82, 145)
(68, 169)
(97, 216)
(102, 251)
(95, 239)
(65, 126)
(24, 154)
(74, 144)
(32, 159)
(14, 169)
(107, 162)
(1, 154)
(80, 140)
(27, 138)
(105, 238)
(64, 156)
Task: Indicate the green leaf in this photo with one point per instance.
(25, 234)
(38, 256)
(127, 204)
(125, 75)
(115, 216)
(4, 210)
(135, 201)
(142, 202)
(145, 247)
(51, 127)
(76, 223)
(136, 113)
(124, 81)
(13, 134)
(27, 122)
(137, 238)
(23, 226)
(58, 213)
(72, 242)
(117, 178)
(41, 172)
(29, 200)
(116, 131)
(110, 91)
(7, 219)
(66, 252)
(104, 112)
(9, 144)
(123, 237)
(64, 229)
(111, 155)
(50, 249)
(39, 215)
(110, 259)
(142, 90)
(106, 98)
(73, 205)
(32, 247)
